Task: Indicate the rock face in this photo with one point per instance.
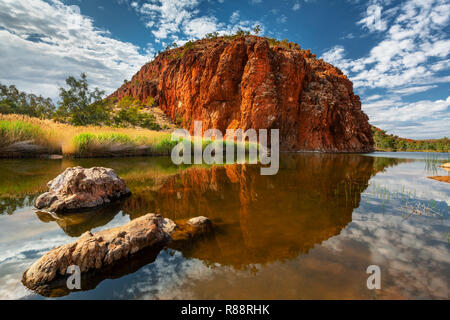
(79, 188)
(95, 252)
(250, 82)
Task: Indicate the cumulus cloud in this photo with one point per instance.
(410, 57)
(373, 20)
(44, 42)
(174, 20)
(421, 119)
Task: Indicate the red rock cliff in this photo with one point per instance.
(247, 82)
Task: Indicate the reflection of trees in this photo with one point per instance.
(9, 205)
(380, 164)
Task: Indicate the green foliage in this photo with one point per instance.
(85, 141)
(79, 105)
(212, 35)
(16, 131)
(257, 29)
(187, 46)
(130, 113)
(242, 33)
(166, 146)
(389, 142)
(14, 101)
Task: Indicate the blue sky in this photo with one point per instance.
(395, 52)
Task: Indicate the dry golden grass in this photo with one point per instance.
(89, 141)
(58, 135)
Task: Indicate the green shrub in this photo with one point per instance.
(165, 146)
(88, 142)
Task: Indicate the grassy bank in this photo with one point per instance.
(23, 136)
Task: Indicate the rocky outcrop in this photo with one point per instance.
(78, 188)
(104, 249)
(252, 82)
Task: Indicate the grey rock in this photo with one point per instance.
(79, 188)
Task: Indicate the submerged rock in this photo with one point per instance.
(79, 188)
(96, 254)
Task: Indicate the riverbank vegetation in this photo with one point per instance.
(389, 142)
(79, 141)
(24, 136)
(78, 105)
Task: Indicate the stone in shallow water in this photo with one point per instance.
(99, 250)
(80, 188)
(96, 253)
(200, 222)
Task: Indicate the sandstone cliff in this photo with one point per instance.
(252, 82)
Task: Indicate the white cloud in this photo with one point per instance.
(168, 15)
(412, 90)
(198, 27)
(281, 19)
(171, 19)
(401, 58)
(235, 17)
(296, 6)
(421, 120)
(408, 59)
(43, 43)
(373, 20)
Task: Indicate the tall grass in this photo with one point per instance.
(79, 140)
(16, 131)
(91, 141)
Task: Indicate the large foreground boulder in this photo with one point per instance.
(97, 253)
(78, 188)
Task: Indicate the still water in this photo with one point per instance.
(309, 232)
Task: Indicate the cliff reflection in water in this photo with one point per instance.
(261, 219)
